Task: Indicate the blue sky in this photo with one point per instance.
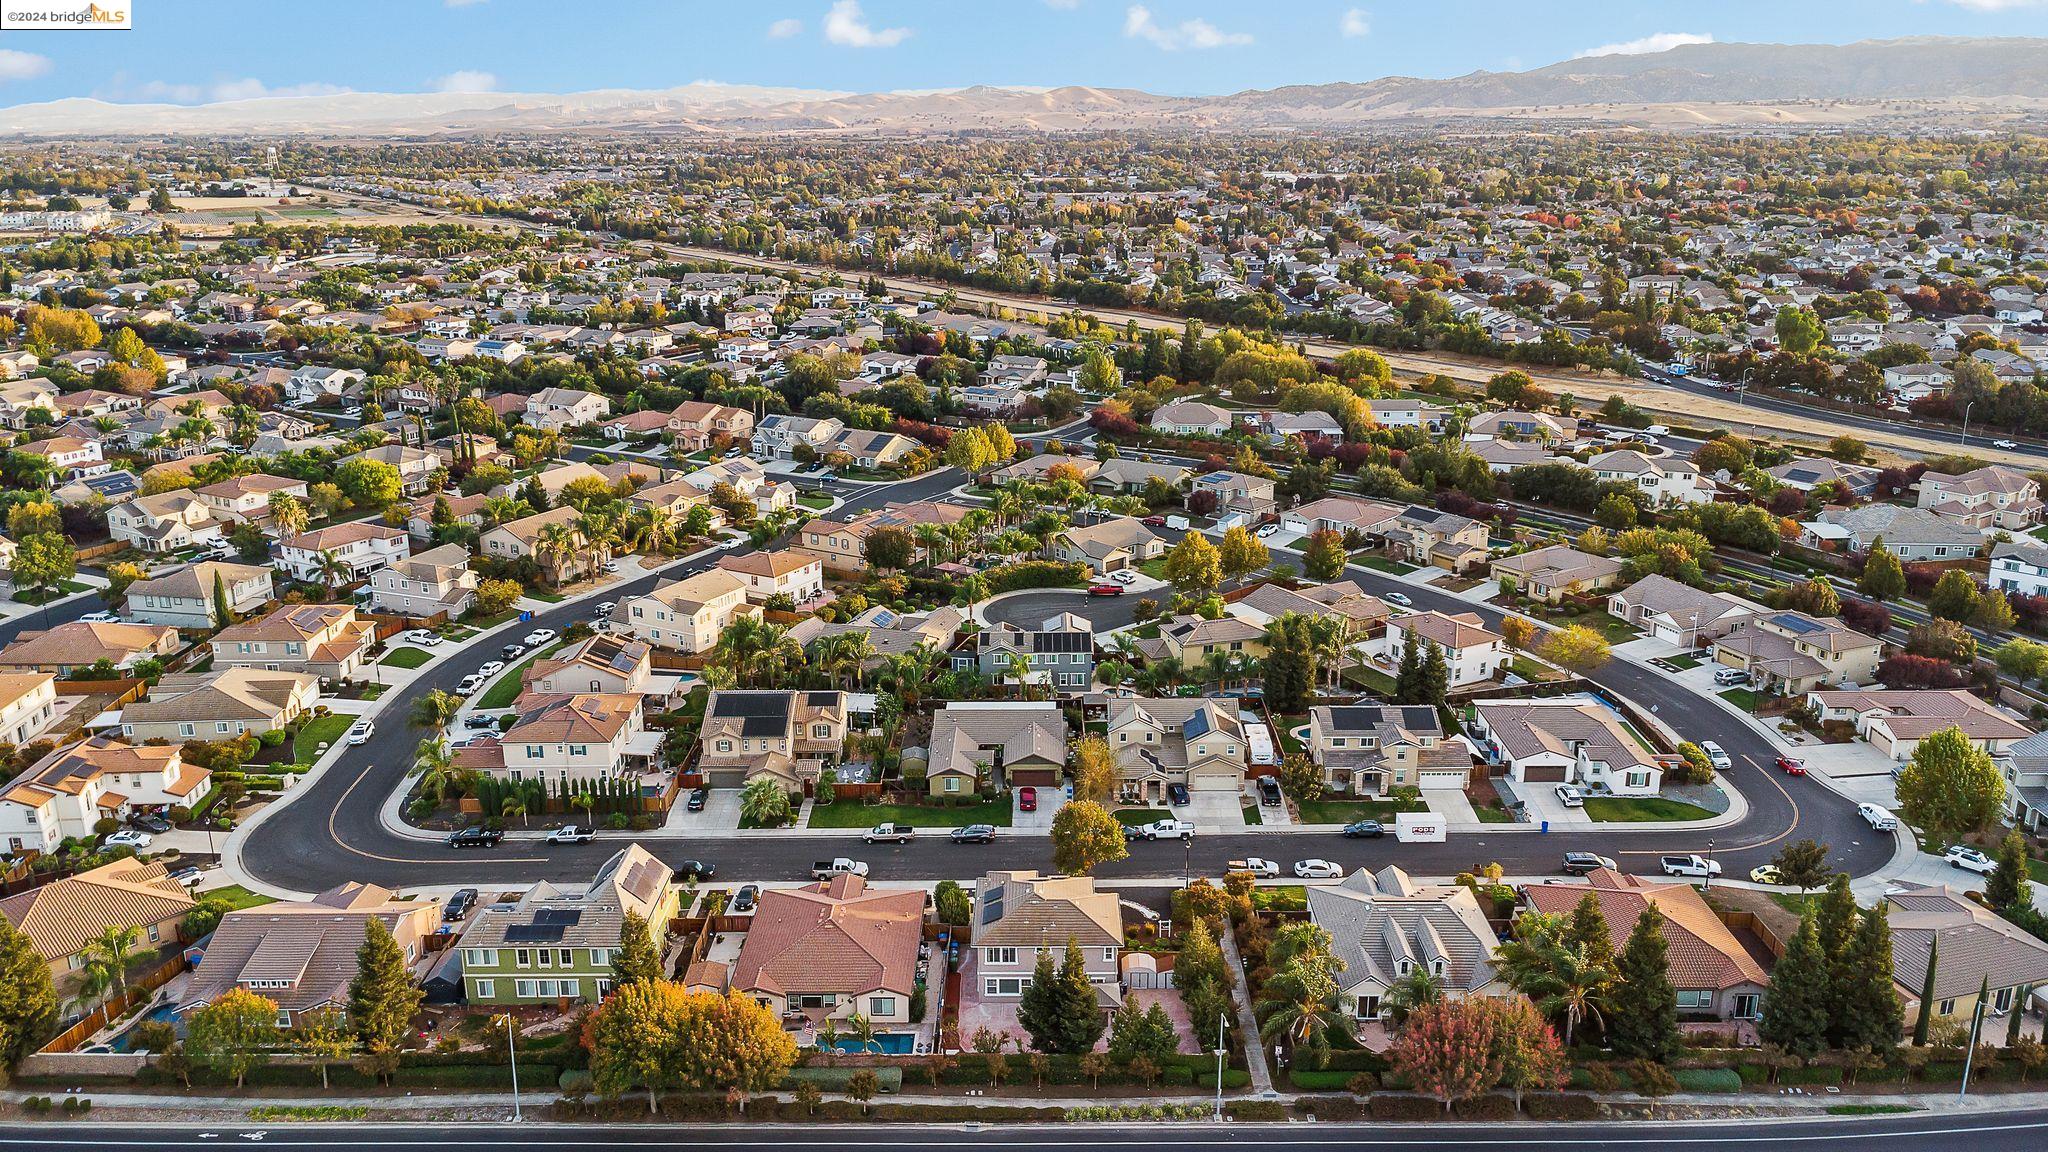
(190, 51)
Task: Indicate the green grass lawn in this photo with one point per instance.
(1283, 731)
(550, 597)
(1155, 568)
(2039, 870)
(1682, 663)
(1614, 628)
(1640, 809)
(1351, 811)
(1370, 679)
(1742, 698)
(317, 731)
(1134, 816)
(814, 500)
(1280, 897)
(1492, 815)
(64, 588)
(372, 691)
(1252, 816)
(507, 687)
(238, 896)
(853, 814)
(1383, 564)
(406, 657)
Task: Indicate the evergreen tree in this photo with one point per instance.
(636, 959)
(1834, 919)
(1037, 1010)
(1435, 677)
(1643, 1019)
(1883, 577)
(1407, 676)
(1868, 1012)
(2006, 890)
(223, 613)
(1796, 1011)
(1924, 1020)
(28, 998)
(382, 999)
(1077, 1021)
(536, 497)
(1589, 933)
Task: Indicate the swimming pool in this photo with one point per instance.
(125, 1041)
(886, 1043)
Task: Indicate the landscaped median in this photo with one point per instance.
(854, 814)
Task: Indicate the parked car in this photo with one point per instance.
(1878, 817)
(1766, 874)
(1581, 863)
(1154, 521)
(1125, 576)
(2005, 444)
(1260, 867)
(699, 796)
(353, 411)
(458, 905)
(1400, 598)
(1961, 855)
(1317, 869)
(743, 901)
(605, 609)
(468, 685)
(1570, 796)
(973, 834)
(838, 866)
(1177, 795)
(1027, 799)
(889, 833)
(1168, 830)
(696, 870)
(99, 618)
(128, 838)
(512, 651)
(149, 822)
(1364, 830)
(188, 876)
(422, 637)
(361, 731)
(608, 566)
(1791, 766)
(572, 834)
(475, 836)
(1269, 791)
(479, 720)
(1266, 530)
(1689, 865)
(1716, 756)
(1728, 677)
(539, 636)
(1105, 589)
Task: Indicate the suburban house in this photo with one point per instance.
(1473, 653)
(614, 665)
(695, 423)
(1552, 573)
(833, 950)
(529, 538)
(2019, 565)
(1190, 418)
(1666, 480)
(779, 435)
(69, 457)
(1362, 616)
(186, 598)
(1714, 975)
(2026, 783)
(1338, 514)
(78, 644)
(425, 584)
(1806, 473)
(1894, 721)
(580, 738)
(1975, 947)
(1385, 928)
(68, 791)
(1680, 614)
(246, 499)
(1993, 496)
(887, 631)
(65, 916)
(416, 466)
(20, 398)
(555, 945)
(1565, 740)
(28, 705)
(1434, 538)
(1239, 498)
(165, 522)
(560, 409)
(1108, 546)
(326, 640)
(843, 545)
(1791, 653)
(1399, 413)
(219, 705)
(314, 383)
(791, 736)
(1059, 653)
(302, 955)
(1367, 749)
(685, 615)
(1509, 424)
(1911, 534)
(1018, 913)
(870, 449)
(342, 552)
(1006, 744)
(781, 573)
(1176, 740)
(1193, 639)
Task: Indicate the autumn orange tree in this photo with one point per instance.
(1450, 1051)
(654, 1035)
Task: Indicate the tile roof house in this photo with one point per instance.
(28, 705)
(1339, 514)
(1176, 740)
(1679, 613)
(66, 792)
(1666, 480)
(1792, 653)
(64, 916)
(602, 663)
(558, 409)
(1911, 534)
(1059, 653)
(1473, 653)
(427, 583)
(1551, 573)
(1806, 473)
(79, 644)
(1432, 537)
(165, 522)
(1108, 546)
(1005, 744)
(302, 955)
(778, 573)
(1190, 418)
(1993, 496)
(362, 546)
(326, 640)
(1565, 740)
(1018, 912)
(416, 466)
(219, 705)
(2026, 789)
(246, 499)
(577, 738)
(1894, 721)
(1385, 927)
(556, 945)
(685, 615)
(1976, 945)
(525, 537)
(791, 736)
(1366, 749)
(1191, 639)
(185, 598)
(842, 545)
(832, 950)
(1714, 975)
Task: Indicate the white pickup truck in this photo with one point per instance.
(890, 834)
(840, 866)
(1168, 830)
(1698, 867)
(1258, 866)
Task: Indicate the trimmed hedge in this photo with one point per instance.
(1563, 1106)
(1325, 1080)
(834, 1079)
(1232, 1078)
(1333, 1107)
(1355, 1060)
(1707, 1079)
(1810, 1076)
(1256, 1110)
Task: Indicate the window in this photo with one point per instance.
(220, 726)
(1003, 986)
(599, 957)
(881, 1006)
(579, 749)
(526, 989)
(999, 956)
(725, 745)
(1109, 955)
(1695, 998)
(522, 958)
(563, 959)
(533, 751)
(547, 957)
(485, 989)
(952, 783)
(480, 957)
(185, 730)
(1946, 1008)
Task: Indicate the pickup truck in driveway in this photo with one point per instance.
(841, 866)
(1258, 866)
(890, 834)
(1698, 867)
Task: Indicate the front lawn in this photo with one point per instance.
(46, 595)
(550, 597)
(1682, 663)
(815, 500)
(1155, 568)
(237, 896)
(506, 689)
(1614, 628)
(1252, 815)
(327, 729)
(1136, 816)
(1641, 809)
(1743, 698)
(854, 814)
(2038, 869)
(1383, 564)
(406, 657)
(1492, 815)
(1352, 811)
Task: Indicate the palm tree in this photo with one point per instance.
(553, 546)
(763, 801)
(333, 571)
(828, 1037)
(863, 1031)
(288, 514)
(933, 540)
(1415, 990)
(498, 509)
(1569, 984)
(850, 653)
(1300, 1005)
(1019, 669)
(108, 955)
(513, 806)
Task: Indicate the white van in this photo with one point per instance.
(1878, 817)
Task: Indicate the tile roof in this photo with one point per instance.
(1026, 909)
(1703, 953)
(61, 917)
(1378, 920)
(312, 944)
(78, 643)
(1975, 943)
(833, 936)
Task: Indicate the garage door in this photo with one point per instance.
(1667, 633)
(1034, 777)
(1441, 779)
(1213, 781)
(1544, 774)
(726, 777)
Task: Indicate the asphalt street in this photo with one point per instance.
(1930, 1132)
(330, 831)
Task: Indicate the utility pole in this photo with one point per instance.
(512, 1051)
(1222, 1050)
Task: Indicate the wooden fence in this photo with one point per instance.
(139, 992)
(124, 690)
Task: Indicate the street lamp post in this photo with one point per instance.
(1710, 866)
(1222, 1050)
(1187, 862)
(1966, 422)
(1976, 1026)
(512, 1051)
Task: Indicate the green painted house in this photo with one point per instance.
(555, 947)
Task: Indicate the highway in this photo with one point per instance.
(1927, 1132)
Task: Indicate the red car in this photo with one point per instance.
(1027, 799)
(1105, 589)
(1154, 521)
(1791, 767)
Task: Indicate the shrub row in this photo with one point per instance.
(1708, 1079)
(834, 1079)
(1324, 1080)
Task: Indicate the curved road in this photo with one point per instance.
(329, 830)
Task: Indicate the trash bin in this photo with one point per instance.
(1546, 826)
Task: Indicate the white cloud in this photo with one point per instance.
(466, 80)
(784, 29)
(1355, 24)
(1656, 42)
(21, 65)
(845, 25)
(1997, 5)
(1196, 33)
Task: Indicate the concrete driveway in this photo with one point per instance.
(721, 813)
(1215, 811)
